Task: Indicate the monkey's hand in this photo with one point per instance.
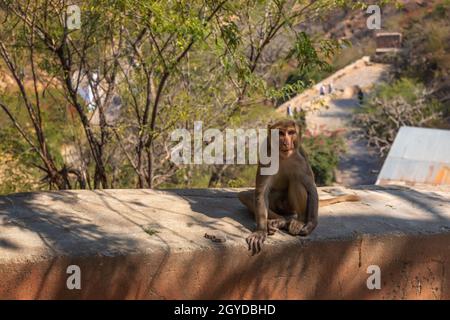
(308, 228)
(255, 241)
(274, 225)
(295, 227)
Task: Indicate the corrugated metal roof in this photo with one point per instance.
(418, 155)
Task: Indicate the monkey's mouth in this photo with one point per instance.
(285, 148)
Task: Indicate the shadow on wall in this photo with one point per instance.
(322, 268)
(57, 231)
(60, 231)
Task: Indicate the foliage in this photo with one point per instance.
(419, 92)
(15, 176)
(425, 56)
(403, 103)
(323, 151)
(171, 63)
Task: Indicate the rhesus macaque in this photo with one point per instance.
(288, 199)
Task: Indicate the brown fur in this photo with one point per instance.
(290, 192)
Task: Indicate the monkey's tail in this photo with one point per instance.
(338, 199)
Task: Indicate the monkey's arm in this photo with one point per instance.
(261, 211)
(312, 202)
(257, 238)
(261, 200)
(312, 207)
(306, 159)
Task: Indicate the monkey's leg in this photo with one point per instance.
(279, 206)
(247, 198)
(298, 197)
(275, 221)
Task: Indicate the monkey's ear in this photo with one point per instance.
(271, 124)
(298, 139)
(298, 129)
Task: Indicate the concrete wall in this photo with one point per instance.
(141, 244)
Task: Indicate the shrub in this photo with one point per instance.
(404, 103)
(323, 151)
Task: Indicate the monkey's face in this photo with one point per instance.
(288, 139)
(289, 136)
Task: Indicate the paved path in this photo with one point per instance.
(360, 165)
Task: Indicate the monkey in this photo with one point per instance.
(288, 199)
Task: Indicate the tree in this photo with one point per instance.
(168, 62)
